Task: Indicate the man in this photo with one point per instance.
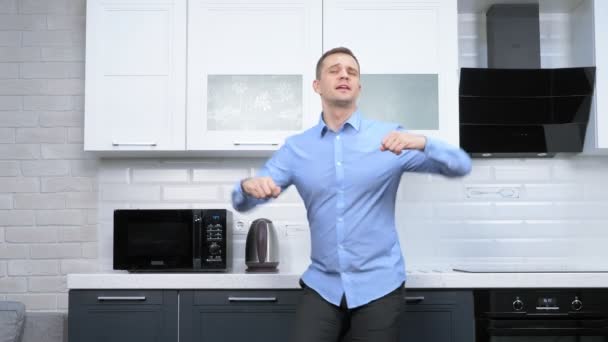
(347, 170)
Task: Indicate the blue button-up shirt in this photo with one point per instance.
(349, 187)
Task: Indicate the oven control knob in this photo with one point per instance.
(518, 304)
(214, 248)
(577, 305)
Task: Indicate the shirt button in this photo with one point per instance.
(339, 219)
(339, 163)
(337, 137)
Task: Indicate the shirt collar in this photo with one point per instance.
(354, 121)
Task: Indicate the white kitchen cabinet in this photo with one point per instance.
(135, 75)
(250, 72)
(408, 52)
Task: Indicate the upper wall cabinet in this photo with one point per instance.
(250, 72)
(135, 75)
(598, 128)
(408, 52)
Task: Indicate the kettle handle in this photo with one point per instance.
(261, 237)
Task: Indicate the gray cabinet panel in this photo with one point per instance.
(96, 315)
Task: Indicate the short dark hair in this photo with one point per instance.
(340, 49)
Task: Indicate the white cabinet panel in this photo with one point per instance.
(396, 40)
(250, 72)
(135, 75)
(601, 78)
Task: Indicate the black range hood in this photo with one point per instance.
(524, 112)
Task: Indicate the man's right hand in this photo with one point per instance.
(260, 187)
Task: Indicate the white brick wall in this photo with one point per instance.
(48, 191)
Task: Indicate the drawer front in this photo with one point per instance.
(102, 297)
(413, 297)
(244, 297)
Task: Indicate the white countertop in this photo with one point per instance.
(418, 280)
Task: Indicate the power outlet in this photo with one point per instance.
(240, 227)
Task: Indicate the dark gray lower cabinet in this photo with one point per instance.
(122, 315)
(240, 315)
(243, 315)
(438, 316)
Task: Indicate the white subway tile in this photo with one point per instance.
(19, 151)
(75, 135)
(191, 193)
(13, 251)
(219, 175)
(22, 22)
(276, 213)
(13, 284)
(56, 251)
(445, 191)
(525, 210)
(78, 266)
(41, 135)
(52, 38)
(159, 176)
(68, 217)
(10, 38)
(92, 216)
(66, 22)
(9, 6)
(67, 184)
(40, 201)
(63, 302)
(582, 210)
(52, 70)
(31, 234)
(564, 192)
(89, 250)
(84, 168)
(35, 301)
(71, 119)
(3, 267)
(33, 267)
(77, 234)
(595, 190)
(467, 211)
(82, 200)
(36, 168)
(16, 217)
(9, 70)
(522, 173)
(118, 192)
(113, 175)
(62, 7)
(19, 54)
(19, 184)
(9, 168)
(7, 135)
(6, 201)
(67, 151)
(413, 210)
(47, 284)
(18, 119)
(11, 103)
(62, 54)
(47, 103)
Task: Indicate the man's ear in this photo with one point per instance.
(315, 86)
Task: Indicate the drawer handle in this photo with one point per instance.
(127, 298)
(252, 299)
(117, 143)
(414, 300)
(253, 143)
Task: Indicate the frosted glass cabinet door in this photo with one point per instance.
(408, 51)
(250, 72)
(135, 75)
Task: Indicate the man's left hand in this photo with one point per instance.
(398, 141)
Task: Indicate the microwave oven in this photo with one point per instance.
(172, 240)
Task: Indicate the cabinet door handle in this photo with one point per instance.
(414, 300)
(118, 143)
(253, 143)
(126, 298)
(252, 299)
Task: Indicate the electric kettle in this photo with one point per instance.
(262, 247)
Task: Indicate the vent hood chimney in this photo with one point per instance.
(514, 108)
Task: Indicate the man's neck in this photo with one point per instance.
(335, 117)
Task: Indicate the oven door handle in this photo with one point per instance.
(540, 331)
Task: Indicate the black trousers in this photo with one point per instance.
(320, 321)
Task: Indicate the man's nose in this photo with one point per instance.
(343, 74)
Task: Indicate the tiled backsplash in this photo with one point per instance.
(505, 211)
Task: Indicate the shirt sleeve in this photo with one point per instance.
(437, 157)
(278, 167)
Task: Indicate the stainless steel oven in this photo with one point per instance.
(541, 315)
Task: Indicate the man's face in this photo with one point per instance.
(339, 82)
